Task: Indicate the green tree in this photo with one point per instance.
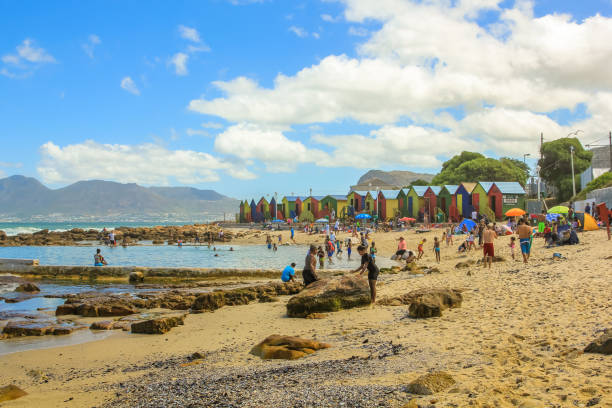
(555, 164)
(418, 182)
(470, 167)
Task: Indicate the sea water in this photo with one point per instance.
(242, 257)
(15, 228)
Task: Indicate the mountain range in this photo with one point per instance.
(399, 178)
(23, 198)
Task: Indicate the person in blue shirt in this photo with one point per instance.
(288, 273)
(292, 234)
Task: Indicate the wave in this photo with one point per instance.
(11, 231)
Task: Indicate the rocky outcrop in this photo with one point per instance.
(430, 383)
(11, 392)
(22, 328)
(97, 307)
(158, 325)
(27, 287)
(136, 277)
(603, 345)
(431, 302)
(330, 295)
(286, 347)
(102, 325)
(215, 300)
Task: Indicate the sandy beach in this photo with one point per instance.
(517, 340)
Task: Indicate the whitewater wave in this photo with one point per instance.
(30, 230)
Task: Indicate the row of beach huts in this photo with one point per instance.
(439, 203)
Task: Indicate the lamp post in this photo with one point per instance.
(524, 156)
(572, 161)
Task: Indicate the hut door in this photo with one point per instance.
(460, 203)
(410, 206)
(443, 205)
(492, 204)
(476, 201)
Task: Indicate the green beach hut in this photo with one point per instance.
(513, 195)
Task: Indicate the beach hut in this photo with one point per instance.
(418, 201)
(312, 204)
(445, 198)
(263, 210)
(463, 197)
(494, 200)
(241, 216)
(354, 202)
(430, 198)
(253, 206)
(401, 202)
(272, 208)
(387, 204)
(334, 204)
(412, 202)
(480, 200)
(513, 195)
(290, 206)
(247, 211)
(369, 203)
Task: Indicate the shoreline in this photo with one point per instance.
(517, 339)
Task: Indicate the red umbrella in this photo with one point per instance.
(407, 219)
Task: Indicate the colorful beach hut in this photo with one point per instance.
(246, 211)
(431, 201)
(312, 204)
(388, 205)
(253, 206)
(448, 199)
(480, 200)
(416, 201)
(401, 202)
(334, 204)
(369, 203)
(263, 210)
(494, 200)
(289, 206)
(463, 196)
(354, 201)
(513, 195)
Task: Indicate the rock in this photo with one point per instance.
(242, 296)
(603, 345)
(431, 383)
(196, 356)
(27, 287)
(136, 277)
(330, 295)
(316, 316)
(431, 302)
(286, 347)
(465, 264)
(102, 325)
(159, 325)
(38, 328)
(11, 392)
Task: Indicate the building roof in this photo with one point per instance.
(469, 186)
(318, 198)
(486, 185)
(337, 196)
(291, 198)
(452, 188)
(436, 189)
(420, 190)
(509, 187)
(392, 194)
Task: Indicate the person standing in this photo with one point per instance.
(309, 273)
(488, 249)
(481, 229)
(587, 209)
(292, 234)
(524, 232)
(437, 249)
(367, 263)
(111, 239)
(349, 248)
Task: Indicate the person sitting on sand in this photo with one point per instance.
(368, 263)
(410, 257)
(99, 259)
(401, 247)
(288, 273)
(463, 247)
(309, 273)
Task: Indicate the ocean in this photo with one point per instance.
(15, 228)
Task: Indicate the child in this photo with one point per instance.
(449, 237)
(330, 251)
(420, 248)
(321, 255)
(349, 248)
(512, 245)
(280, 239)
(373, 250)
(437, 249)
(470, 240)
(338, 247)
(463, 247)
(274, 248)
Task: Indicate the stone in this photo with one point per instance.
(431, 383)
(214, 300)
(102, 325)
(286, 347)
(11, 392)
(316, 316)
(21, 328)
(27, 287)
(431, 302)
(330, 295)
(603, 345)
(159, 325)
(136, 277)
(465, 264)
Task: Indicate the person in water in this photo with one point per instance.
(99, 259)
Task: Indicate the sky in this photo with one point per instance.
(253, 97)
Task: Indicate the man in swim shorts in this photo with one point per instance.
(524, 232)
(488, 235)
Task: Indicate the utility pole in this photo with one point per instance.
(541, 144)
(572, 161)
(610, 141)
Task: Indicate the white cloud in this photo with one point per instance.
(212, 125)
(91, 43)
(189, 33)
(358, 31)
(245, 2)
(145, 163)
(299, 31)
(179, 60)
(28, 51)
(329, 18)
(128, 84)
(25, 61)
(197, 132)
(192, 49)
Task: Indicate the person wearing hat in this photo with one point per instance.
(401, 247)
(488, 249)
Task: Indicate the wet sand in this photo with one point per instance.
(517, 340)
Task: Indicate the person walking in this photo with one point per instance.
(309, 273)
(488, 248)
(524, 233)
(367, 263)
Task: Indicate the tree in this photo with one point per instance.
(469, 167)
(555, 164)
(418, 182)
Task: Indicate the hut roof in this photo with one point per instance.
(452, 188)
(420, 190)
(510, 187)
(291, 198)
(392, 194)
(337, 196)
(469, 186)
(486, 185)
(436, 189)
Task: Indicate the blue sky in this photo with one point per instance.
(89, 89)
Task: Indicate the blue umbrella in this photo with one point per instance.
(363, 216)
(278, 221)
(552, 217)
(467, 222)
(322, 220)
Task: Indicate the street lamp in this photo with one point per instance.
(572, 161)
(525, 155)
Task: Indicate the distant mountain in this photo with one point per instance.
(397, 178)
(25, 198)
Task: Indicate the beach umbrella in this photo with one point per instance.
(363, 217)
(560, 209)
(467, 222)
(406, 219)
(278, 221)
(322, 220)
(552, 217)
(515, 212)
